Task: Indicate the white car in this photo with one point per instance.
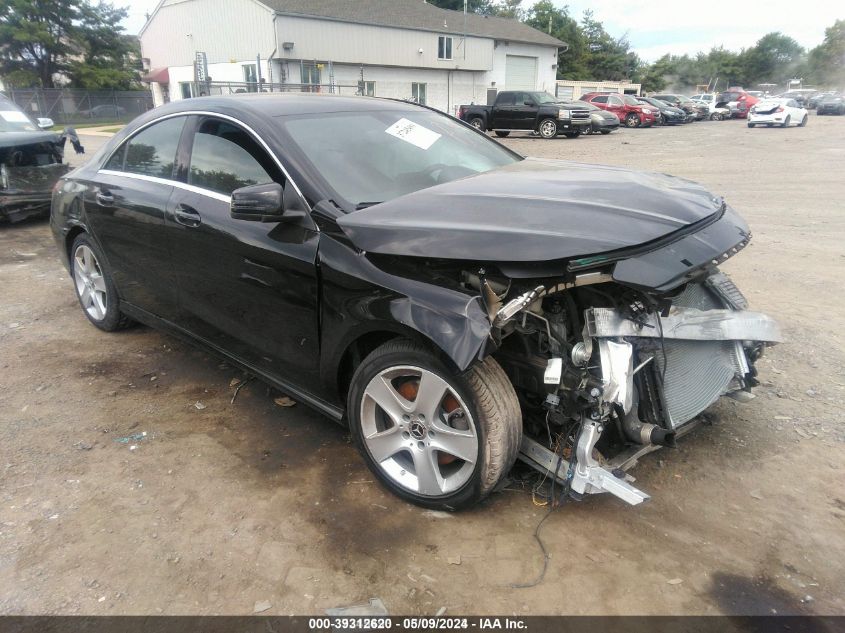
(717, 112)
(780, 112)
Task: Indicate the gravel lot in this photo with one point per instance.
(120, 496)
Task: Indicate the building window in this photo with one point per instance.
(250, 77)
(444, 47)
(187, 89)
(367, 88)
(310, 74)
(418, 92)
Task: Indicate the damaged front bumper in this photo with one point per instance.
(696, 356)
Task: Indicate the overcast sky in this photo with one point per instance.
(656, 27)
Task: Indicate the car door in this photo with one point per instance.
(247, 288)
(125, 208)
(526, 112)
(503, 111)
(616, 105)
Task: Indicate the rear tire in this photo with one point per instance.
(412, 447)
(605, 131)
(502, 133)
(477, 122)
(572, 134)
(547, 128)
(94, 286)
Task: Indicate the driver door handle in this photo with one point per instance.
(187, 216)
(104, 198)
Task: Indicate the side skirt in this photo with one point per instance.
(326, 408)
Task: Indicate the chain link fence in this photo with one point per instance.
(75, 107)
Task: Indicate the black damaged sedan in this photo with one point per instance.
(456, 305)
(31, 162)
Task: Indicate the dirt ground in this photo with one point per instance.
(121, 495)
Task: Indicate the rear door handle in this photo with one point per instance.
(105, 199)
(187, 216)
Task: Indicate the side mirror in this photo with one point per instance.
(44, 123)
(266, 203)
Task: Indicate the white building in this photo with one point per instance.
(387, 48)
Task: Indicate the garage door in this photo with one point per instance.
(520, 72)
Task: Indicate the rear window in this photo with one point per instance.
(152, 152)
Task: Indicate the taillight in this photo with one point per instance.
(780, 109)
(461, 111)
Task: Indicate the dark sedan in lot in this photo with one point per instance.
(831, 104)
(601, 121)
(669, 115)
(455, 304)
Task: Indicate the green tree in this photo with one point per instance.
(545, 16)
(110, 58)
(774, 58)
(606, 57)
(82, 41)
(36, 38)
(475, 6)
(826, 62)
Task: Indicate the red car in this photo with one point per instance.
(738, 101)
(631, 112)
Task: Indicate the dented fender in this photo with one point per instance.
(358, 298)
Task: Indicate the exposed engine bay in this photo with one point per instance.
(30, 164)
(606, 373)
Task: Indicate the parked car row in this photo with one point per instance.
(595, 112)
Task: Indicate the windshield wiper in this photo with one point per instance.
(364, 205)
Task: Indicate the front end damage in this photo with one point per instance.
(607, 373)
(28, 170)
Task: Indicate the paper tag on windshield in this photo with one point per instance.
(13, 116)
(413, 133)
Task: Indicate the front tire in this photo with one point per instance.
(786, 121)
(547, 128)
(632, 120)
(804, 121)
(751, 124)
(502, 133)
(94, 286)
(433, 437)
(716, 116)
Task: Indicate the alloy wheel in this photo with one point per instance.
(90, 283)
(418, 430)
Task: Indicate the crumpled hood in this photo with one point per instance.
(530, 211)
(13, 139)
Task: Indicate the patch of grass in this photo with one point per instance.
(79, 126)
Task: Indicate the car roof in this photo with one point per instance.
(285, 103)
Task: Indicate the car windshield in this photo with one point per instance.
(13, 120)
(584, 104)
(369, 157)
(544, 97)
(630, 100)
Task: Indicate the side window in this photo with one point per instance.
(600, 99)
(224, 158)
(152, 152)
(506, 99)
(115, 163)
(614, 101)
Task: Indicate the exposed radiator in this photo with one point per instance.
(699, 372)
